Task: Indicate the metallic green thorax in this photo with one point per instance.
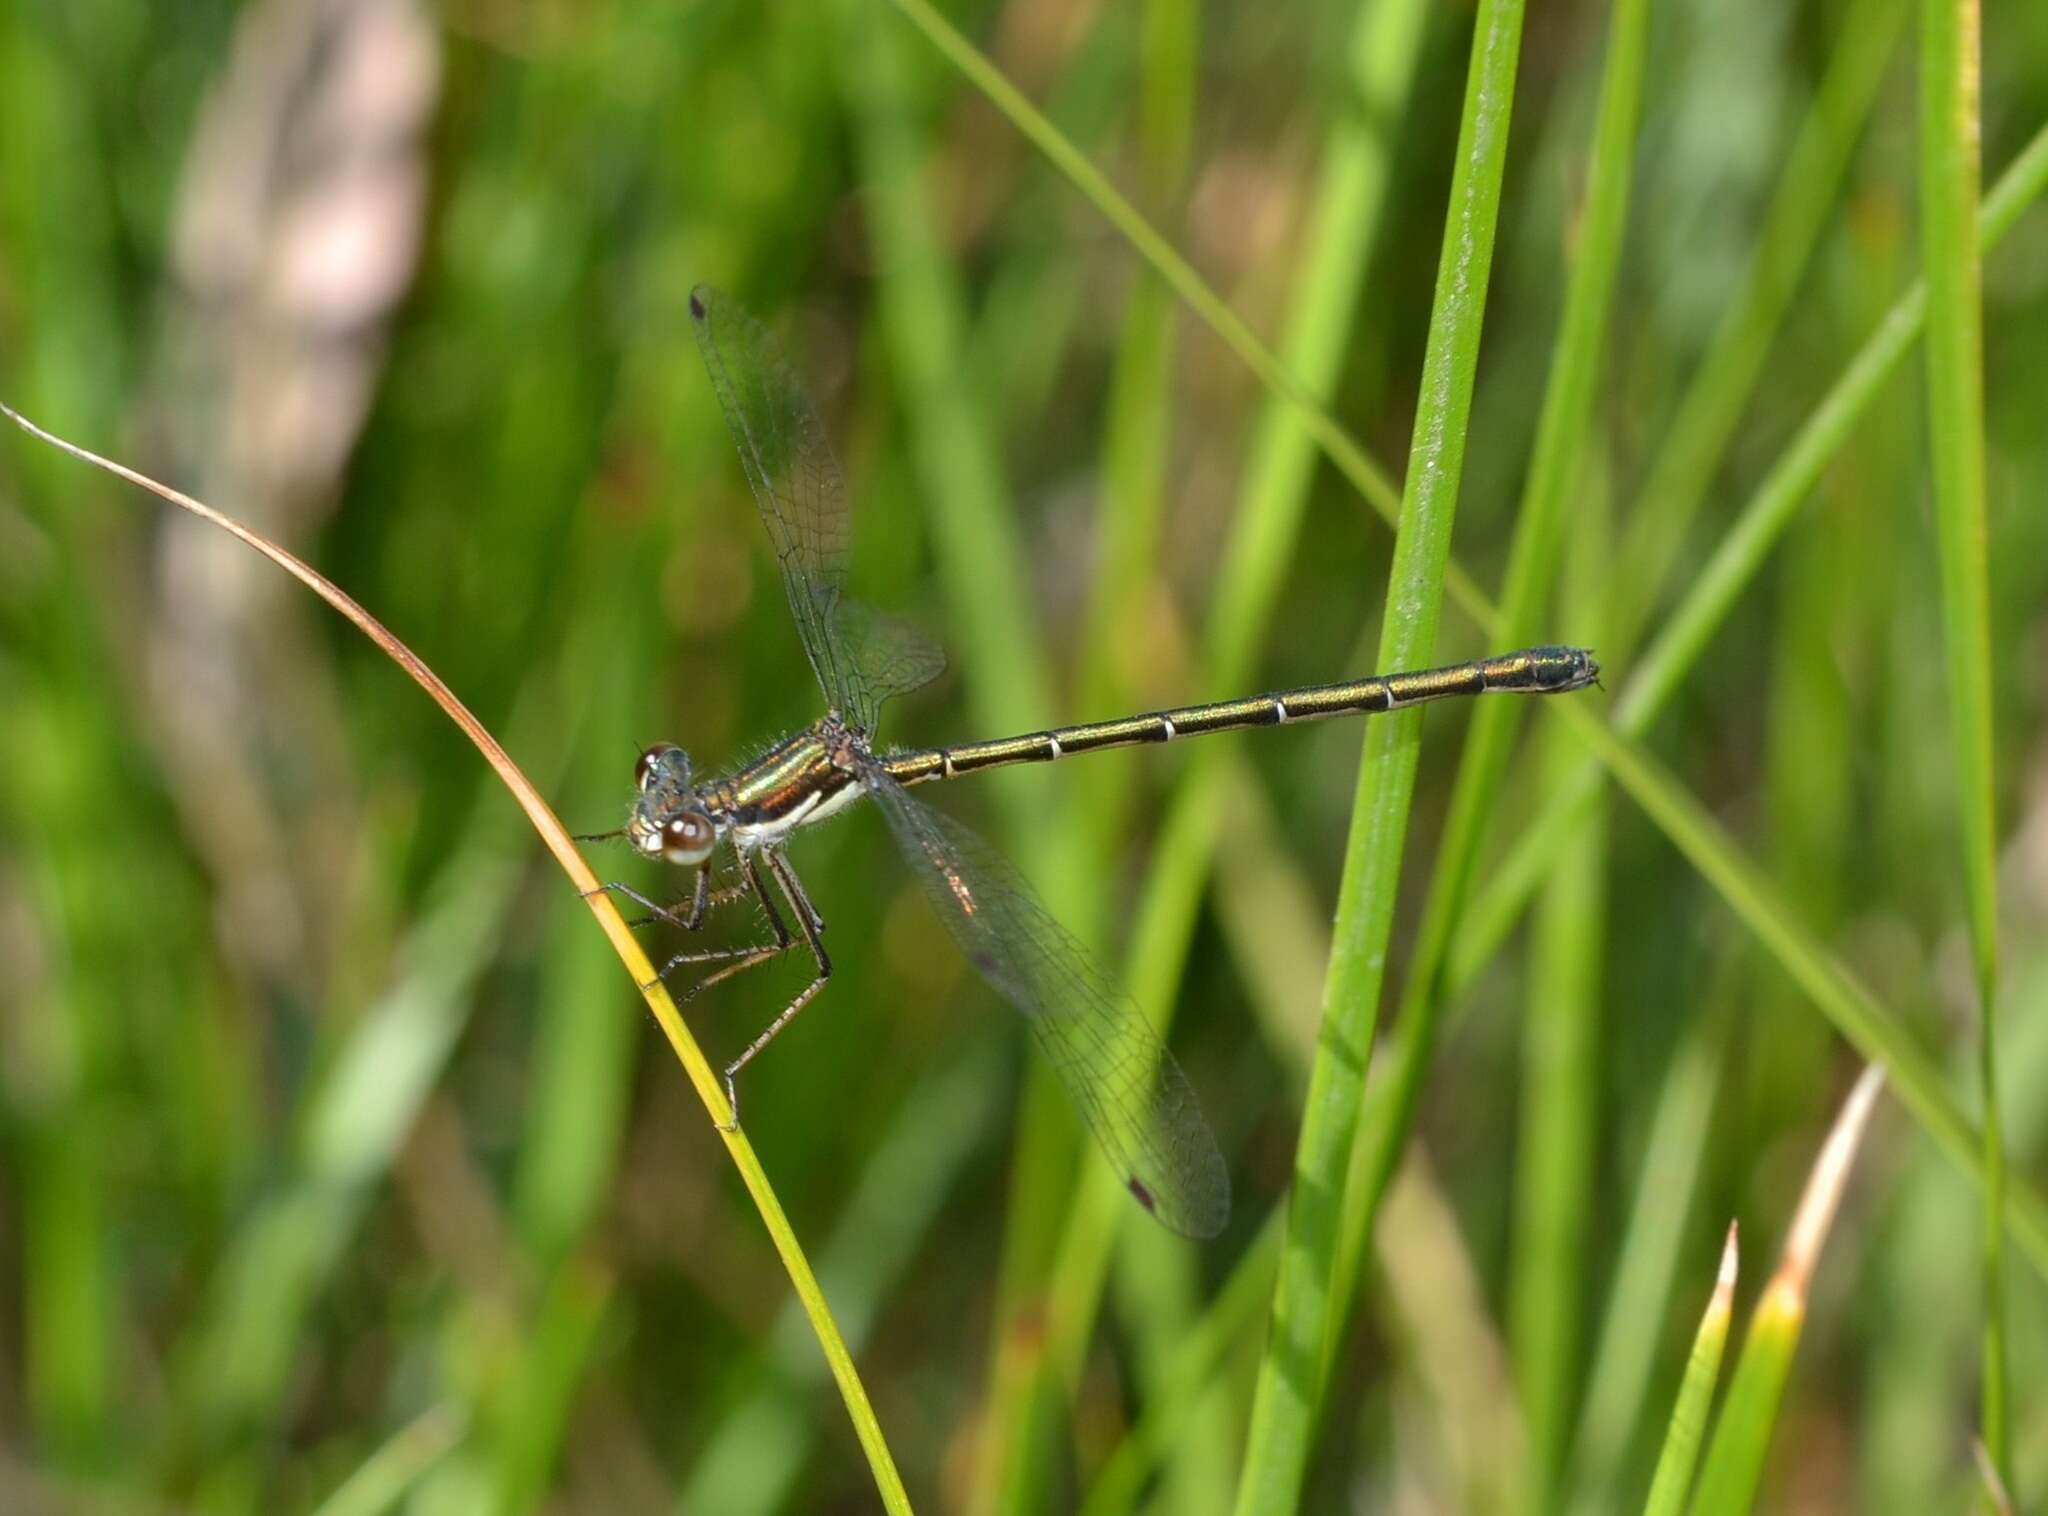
(800, 774)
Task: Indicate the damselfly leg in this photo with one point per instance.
(736, 960)
(812, 925)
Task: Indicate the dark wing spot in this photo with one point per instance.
(1137, 1188)
(696, 305)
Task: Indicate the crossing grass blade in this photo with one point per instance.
(1561, 1110)
(1950, 172)
(1688, 1425)
(1308, 1295)
(1541, 526)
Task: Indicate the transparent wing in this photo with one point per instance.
(1127, 1086)
(891, 657)
(801, 493)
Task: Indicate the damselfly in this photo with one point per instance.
(1129, 1090)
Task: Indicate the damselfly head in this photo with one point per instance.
(669, 820)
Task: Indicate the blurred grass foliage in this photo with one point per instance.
(336, 1162)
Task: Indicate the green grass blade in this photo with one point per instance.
(1915, 1407)
(1735, 1459)
(1540, 529)
(1950, 130)
(922, 307)
(1433, 1297)
(1156, 1277)
(1556, 1162)
(1688, 1426)
(1382, 55)
(1285, 1401)
(1232, 1311)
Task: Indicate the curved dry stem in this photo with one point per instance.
(563, 846)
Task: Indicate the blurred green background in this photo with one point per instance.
(338, 1161)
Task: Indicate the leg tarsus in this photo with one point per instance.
(813, 927)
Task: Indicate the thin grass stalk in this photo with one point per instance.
(1157, 1276)
(1200, 1360)
(71, 1307)
(558, 842)
(531, 1407)
(1950, 134)
(1556, 1174)
(1811, 814)
(1286, 1400)
(923, 312)
(1435, 1300)
(234, 1365)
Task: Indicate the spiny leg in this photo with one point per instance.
(735, 959)
(813, 927)
(703, 900)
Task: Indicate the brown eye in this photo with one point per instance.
(688, 838)
(650, 761)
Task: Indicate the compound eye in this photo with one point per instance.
(688, 838)
(651, 762)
